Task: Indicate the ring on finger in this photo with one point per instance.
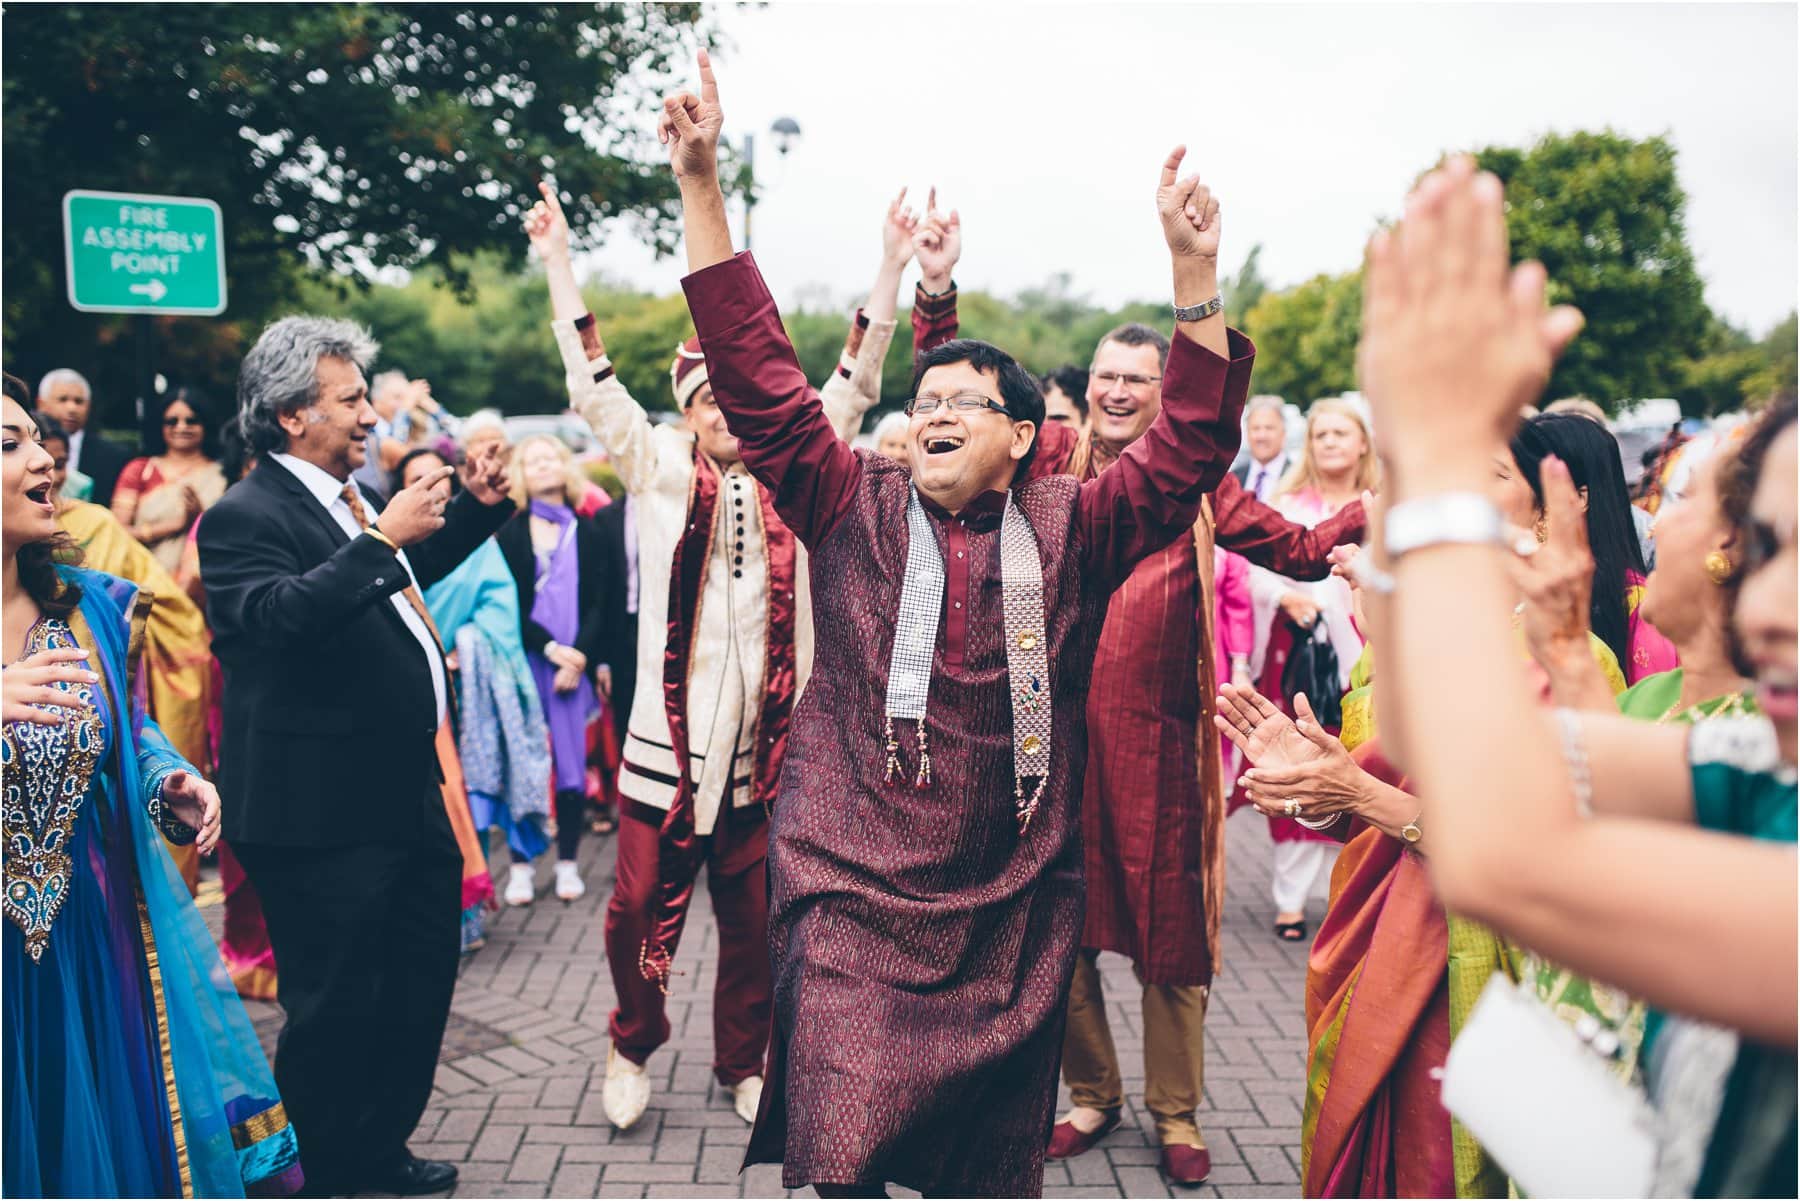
(1292, 808)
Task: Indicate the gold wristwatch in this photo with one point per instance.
(1411, 833)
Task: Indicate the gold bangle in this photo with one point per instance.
(375, 533)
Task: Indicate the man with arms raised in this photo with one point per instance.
(1153, 818)
(925, 864)
(724, 644)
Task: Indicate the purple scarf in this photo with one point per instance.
(557, 607)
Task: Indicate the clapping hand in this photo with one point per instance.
(30, 683)
(897, 232)
(547, 228)
(938, 244)
(690, 126)
(484, 474)
(1188, 210)
(1298, 770)
(1454, 339)
(1266, 735)
(196, 803)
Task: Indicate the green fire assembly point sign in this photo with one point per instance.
(131, 253)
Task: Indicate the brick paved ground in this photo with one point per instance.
(517, 1103)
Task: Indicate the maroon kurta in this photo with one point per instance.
(1149, 788)
(922, 945)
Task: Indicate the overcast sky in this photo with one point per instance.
(1045, 125)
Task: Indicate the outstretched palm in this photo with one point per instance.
(1266, 736)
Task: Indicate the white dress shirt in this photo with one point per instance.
(1261, 479)
(75, 441)
(327, 489)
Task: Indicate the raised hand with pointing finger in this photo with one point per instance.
(690, 126)
(898, 231)
(1189, 211)
(938, 245)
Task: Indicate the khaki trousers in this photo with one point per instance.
(1174, 1053)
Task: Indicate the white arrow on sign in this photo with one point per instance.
(155, 290)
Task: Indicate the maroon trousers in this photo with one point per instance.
(738, 881)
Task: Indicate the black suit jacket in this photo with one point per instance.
(102, 461)
(620, 638)
(594, 581)
(330, 716)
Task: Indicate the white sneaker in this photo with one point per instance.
(568, 881)
(627, 1091)
(746, 1096)
(521, 885)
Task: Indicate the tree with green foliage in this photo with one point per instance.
(344, 136)
(1306, 338)
(1607, 217)
(1245, 290)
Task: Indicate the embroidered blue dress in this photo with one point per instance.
(130, 1068)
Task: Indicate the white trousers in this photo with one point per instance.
(1297, 868)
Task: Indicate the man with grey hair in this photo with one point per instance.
(65, 394)
(335, 689)
(1265, 438)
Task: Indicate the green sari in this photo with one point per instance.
(1656, 699)
(1391, 980)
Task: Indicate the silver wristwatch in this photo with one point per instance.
(1200, 312)
(1457, 517)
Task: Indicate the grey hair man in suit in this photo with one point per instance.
(1265, 437)
(335, 689)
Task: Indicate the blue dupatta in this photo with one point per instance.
(231, 1131)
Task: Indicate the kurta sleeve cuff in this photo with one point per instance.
(866, 345)
(1212, 380)
(940, 305)
(582, 355)
(726, 295)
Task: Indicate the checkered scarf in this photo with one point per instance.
(1027, 657)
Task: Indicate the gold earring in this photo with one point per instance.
(1718, 567)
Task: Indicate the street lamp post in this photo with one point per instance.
(787, 132)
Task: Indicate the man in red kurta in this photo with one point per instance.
(1154, 799)
(925, 870)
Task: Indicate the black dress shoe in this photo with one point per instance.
(413, 1177)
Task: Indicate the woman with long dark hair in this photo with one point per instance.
(1592, 456)
(161, 494)
(130, 1066)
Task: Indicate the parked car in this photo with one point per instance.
(566, 425)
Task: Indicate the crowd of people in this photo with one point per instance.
(942, 718)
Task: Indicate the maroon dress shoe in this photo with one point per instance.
(1066, 1141)
(1186, 1165)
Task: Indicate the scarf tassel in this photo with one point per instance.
(923, 776)
(657, 965)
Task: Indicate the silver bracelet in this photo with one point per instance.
(1369, 576)
(1201, 311)
(1317, 824)
(1463, 518)
(1574, 750)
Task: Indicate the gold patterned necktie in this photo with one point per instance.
(411, 593)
